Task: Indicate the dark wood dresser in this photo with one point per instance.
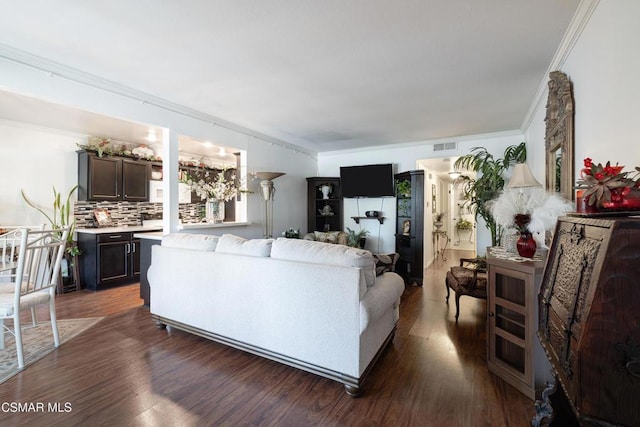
(589, 322)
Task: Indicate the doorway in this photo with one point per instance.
(443, 196)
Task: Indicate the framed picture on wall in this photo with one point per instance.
(433, 198)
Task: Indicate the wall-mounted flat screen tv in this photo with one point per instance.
(367, 180)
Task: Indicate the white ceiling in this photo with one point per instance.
(324, 75)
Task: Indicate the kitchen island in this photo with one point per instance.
(110, 255)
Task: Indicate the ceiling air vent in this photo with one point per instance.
(444, 147)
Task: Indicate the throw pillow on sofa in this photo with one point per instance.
(197, 242)
(326, 236)
(232, 244)
(385, 262)
(323, 253)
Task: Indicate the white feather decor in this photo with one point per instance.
(544, 209)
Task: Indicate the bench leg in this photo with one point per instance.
(446, 285)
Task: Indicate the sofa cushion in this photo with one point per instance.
(197, 242)
(232, 244)
(323, 253)
(385, 262)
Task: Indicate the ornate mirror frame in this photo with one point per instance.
(559, 136)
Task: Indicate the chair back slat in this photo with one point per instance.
(39, 260)
(9, 244)
(10, 248)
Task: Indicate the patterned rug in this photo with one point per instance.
(38, 342)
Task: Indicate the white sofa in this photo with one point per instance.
(312, 305)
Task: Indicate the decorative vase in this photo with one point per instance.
(526, 245)
(214, 211)
(438, 225)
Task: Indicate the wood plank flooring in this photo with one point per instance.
(126, 372)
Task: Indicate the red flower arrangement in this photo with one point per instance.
(605, 186)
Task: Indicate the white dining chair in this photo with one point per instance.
(36, 277)
(9, 249)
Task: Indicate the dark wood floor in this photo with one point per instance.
(124, 371)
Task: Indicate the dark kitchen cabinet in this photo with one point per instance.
(112, 178)
(109, 259)
(145, 262)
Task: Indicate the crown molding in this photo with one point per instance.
(423, 143)
(571, 36)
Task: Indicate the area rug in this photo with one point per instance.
(38, 342)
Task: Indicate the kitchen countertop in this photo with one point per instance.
(123, 229)
(150, 228)
(150, 235)
(197, 225)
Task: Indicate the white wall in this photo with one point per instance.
(603, 67)
(405, 157)
(34, 160)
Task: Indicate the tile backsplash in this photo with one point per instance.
(128, 213)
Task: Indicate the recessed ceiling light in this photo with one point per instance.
(222, 152)
(454, 174)
(151, 136)
(207, 144)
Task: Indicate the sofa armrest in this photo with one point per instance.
(382, 296)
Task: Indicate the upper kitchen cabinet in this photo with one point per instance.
(112, 178)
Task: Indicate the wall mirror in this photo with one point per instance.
(559, 136)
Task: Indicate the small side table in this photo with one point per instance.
(437, 236)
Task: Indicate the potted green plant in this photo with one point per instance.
(437, 219)
(403, 188)
(357, 239)
(488, 182)
(464, 224)
(403, 192)
(62, 217)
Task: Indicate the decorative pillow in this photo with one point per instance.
(232, 244)
(197, 242)
(322, 253)
(385, 262)
(326, 236)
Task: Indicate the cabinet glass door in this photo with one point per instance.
(508, 320)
